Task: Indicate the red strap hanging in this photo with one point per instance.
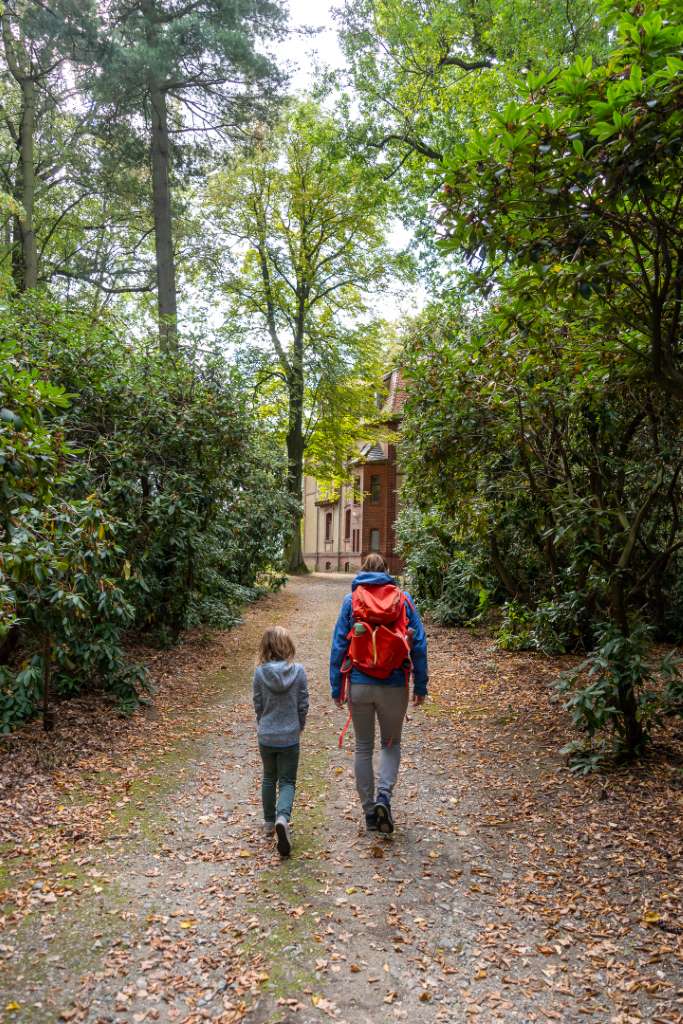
(345, 694)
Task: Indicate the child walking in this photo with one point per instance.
(281, 705)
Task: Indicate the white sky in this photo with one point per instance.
(305, 52)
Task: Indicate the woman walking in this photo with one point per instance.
(378, 642)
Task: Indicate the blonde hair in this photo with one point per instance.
(374, 563)
(276, 645)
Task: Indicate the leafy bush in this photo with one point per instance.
(137, 490)
(445, 578)
(551, 626)
(62, 562)
(516, 631)
(618, 683)
(561, 480)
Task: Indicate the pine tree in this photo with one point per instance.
(37, 39)
(191, 66)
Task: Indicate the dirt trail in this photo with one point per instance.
(187, 913)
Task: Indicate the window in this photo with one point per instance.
(328, 526)
(374, 540)
(356, 540)
(374, 490)
(347, 524)
(347, 567)
(356, 490)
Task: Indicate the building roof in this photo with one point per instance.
(373, 453)
(396, 397)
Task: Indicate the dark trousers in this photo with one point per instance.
(279, 780)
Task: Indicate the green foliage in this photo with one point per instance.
(619, 680)
(427, 71)
(547, 627)
(204, 52)
(579, 182)
(307, 215)
(63, 565)
(555, 462)
(546, 427)
(137, 491)
(450, 581)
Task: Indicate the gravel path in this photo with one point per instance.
(188, 914)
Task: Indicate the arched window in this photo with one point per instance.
(328, 526)
(374, 540)
(347, 524)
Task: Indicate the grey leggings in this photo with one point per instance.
(387, 704)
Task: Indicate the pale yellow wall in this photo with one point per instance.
(338, 551)
(310, 515)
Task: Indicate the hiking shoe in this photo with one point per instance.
(284, 843)
(269, 828)
(371, 823)
(385, 822)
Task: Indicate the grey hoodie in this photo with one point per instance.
(280, 702)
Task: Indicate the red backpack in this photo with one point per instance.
(379, 638)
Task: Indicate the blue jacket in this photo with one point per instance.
(340, 643)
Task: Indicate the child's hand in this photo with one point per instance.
(418, 699)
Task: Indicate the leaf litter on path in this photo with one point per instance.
(510, 891)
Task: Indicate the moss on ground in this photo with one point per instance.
(6, 874)
(74, 927)
(289, 886)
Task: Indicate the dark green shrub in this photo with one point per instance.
(445, 578)
(137, 490)
(619, 684)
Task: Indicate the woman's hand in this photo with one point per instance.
(339, 702)
(419, 698)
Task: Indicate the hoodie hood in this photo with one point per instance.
(279, 676)
(372, 579)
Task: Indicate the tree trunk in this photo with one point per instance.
(626, 697)
(25, 253)
(514, 589)
(163, 225)
(48, 713)
(27, 270)
(295, 457)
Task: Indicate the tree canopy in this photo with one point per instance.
(307, 219)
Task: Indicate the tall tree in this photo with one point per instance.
(191, 67)
(36, 41)
(308, 216)
(428, 70)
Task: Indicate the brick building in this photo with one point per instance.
(340, 530)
